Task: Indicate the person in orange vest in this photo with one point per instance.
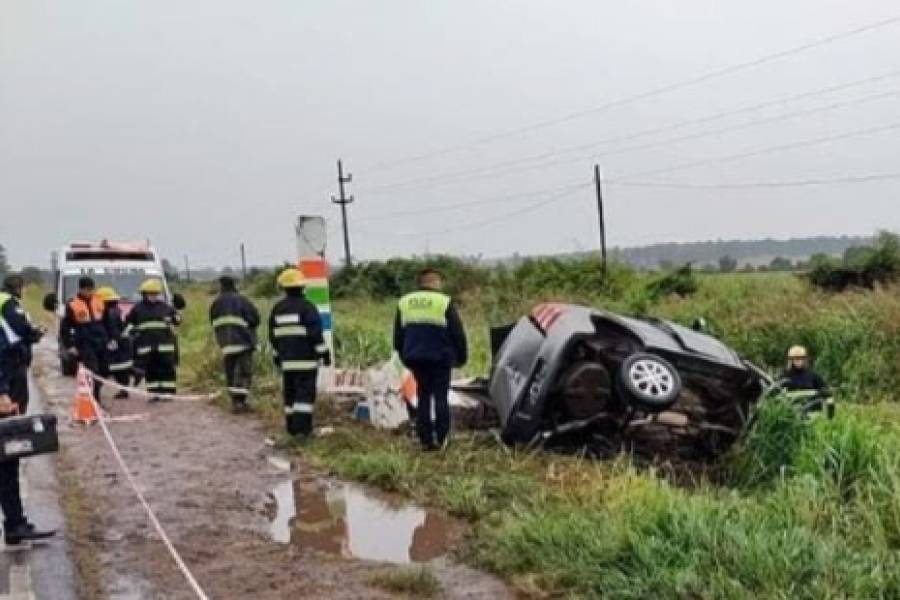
(83, 332)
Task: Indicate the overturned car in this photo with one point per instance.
(568, 373)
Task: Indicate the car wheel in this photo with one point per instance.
(649, 382)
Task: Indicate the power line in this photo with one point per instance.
(480, 201)
(661, 129)
(761, 151)
(489, 221)
(437, 180)
(714, 74)
(851, 179)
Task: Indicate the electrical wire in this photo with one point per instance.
(469, 203)
(686, 83)
(488, 221)
(760, 152)
(462, 176)
(850, 179)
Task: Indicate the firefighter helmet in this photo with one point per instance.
(797, 352)
(152, 286)
(108, 294)
(291, 278)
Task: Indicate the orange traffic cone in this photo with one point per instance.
(84, 409)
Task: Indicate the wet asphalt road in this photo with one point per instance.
(43, 571)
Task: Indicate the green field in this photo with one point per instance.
(796, 511)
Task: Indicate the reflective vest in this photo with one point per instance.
(424, 307)
(8, 337)
(84, 312)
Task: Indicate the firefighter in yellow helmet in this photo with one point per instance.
(295, 333)
(799, 375)
(117, 363)
(151, 325)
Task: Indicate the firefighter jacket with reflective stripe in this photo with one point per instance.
(295, 332)
(82, 327)
(120, 357)
(804, 380)
(428, 330)
(152, 327)
(234, 320)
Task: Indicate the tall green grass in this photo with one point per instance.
(798, 509)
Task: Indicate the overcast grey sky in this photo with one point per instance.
(204, 123)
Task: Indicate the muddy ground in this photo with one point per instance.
(245, 525)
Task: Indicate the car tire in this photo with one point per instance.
(649, 382)
(68, 366)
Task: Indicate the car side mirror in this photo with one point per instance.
(51, 302)
(178, 301)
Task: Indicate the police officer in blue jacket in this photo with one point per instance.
(429, 336)
(17, 335)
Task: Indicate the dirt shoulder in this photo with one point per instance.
(209, 477)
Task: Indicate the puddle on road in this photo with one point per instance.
(345, 520)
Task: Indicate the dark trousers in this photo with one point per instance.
(92, 359)
(10, 494)
(433, 389)
(299, 400)
(239, 375)
(159, 369)
(119, 363)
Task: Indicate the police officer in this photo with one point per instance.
(82, 331)
(295, 332)
(117, 359)
(234, 320)
(151, 324)
(17, 334)
(429, 336)
(799, 376)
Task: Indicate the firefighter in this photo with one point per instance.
(234, 320)
(429, 336)
(117, 360)
(151, 324)
(17, 335)
(82, 331)
(295, 332)
(799, 376)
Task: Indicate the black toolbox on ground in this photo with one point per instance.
(27, 435)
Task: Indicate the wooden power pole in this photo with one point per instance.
(598, 182)
(344, 200)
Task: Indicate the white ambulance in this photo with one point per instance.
(121, 265)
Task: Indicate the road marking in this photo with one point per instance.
(19, 584)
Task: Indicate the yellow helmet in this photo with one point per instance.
(152, 286)
(108, 294)
(291, 278)
(797, 352)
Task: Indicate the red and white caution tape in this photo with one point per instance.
(192, 581)
(144, 393)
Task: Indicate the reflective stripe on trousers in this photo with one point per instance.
(161, 385)
(234, 349)
(299, 365)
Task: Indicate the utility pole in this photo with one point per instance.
(344, 200)
(243, 262)
(599, 184)
(187, 269)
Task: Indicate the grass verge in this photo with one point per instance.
(417, 582)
